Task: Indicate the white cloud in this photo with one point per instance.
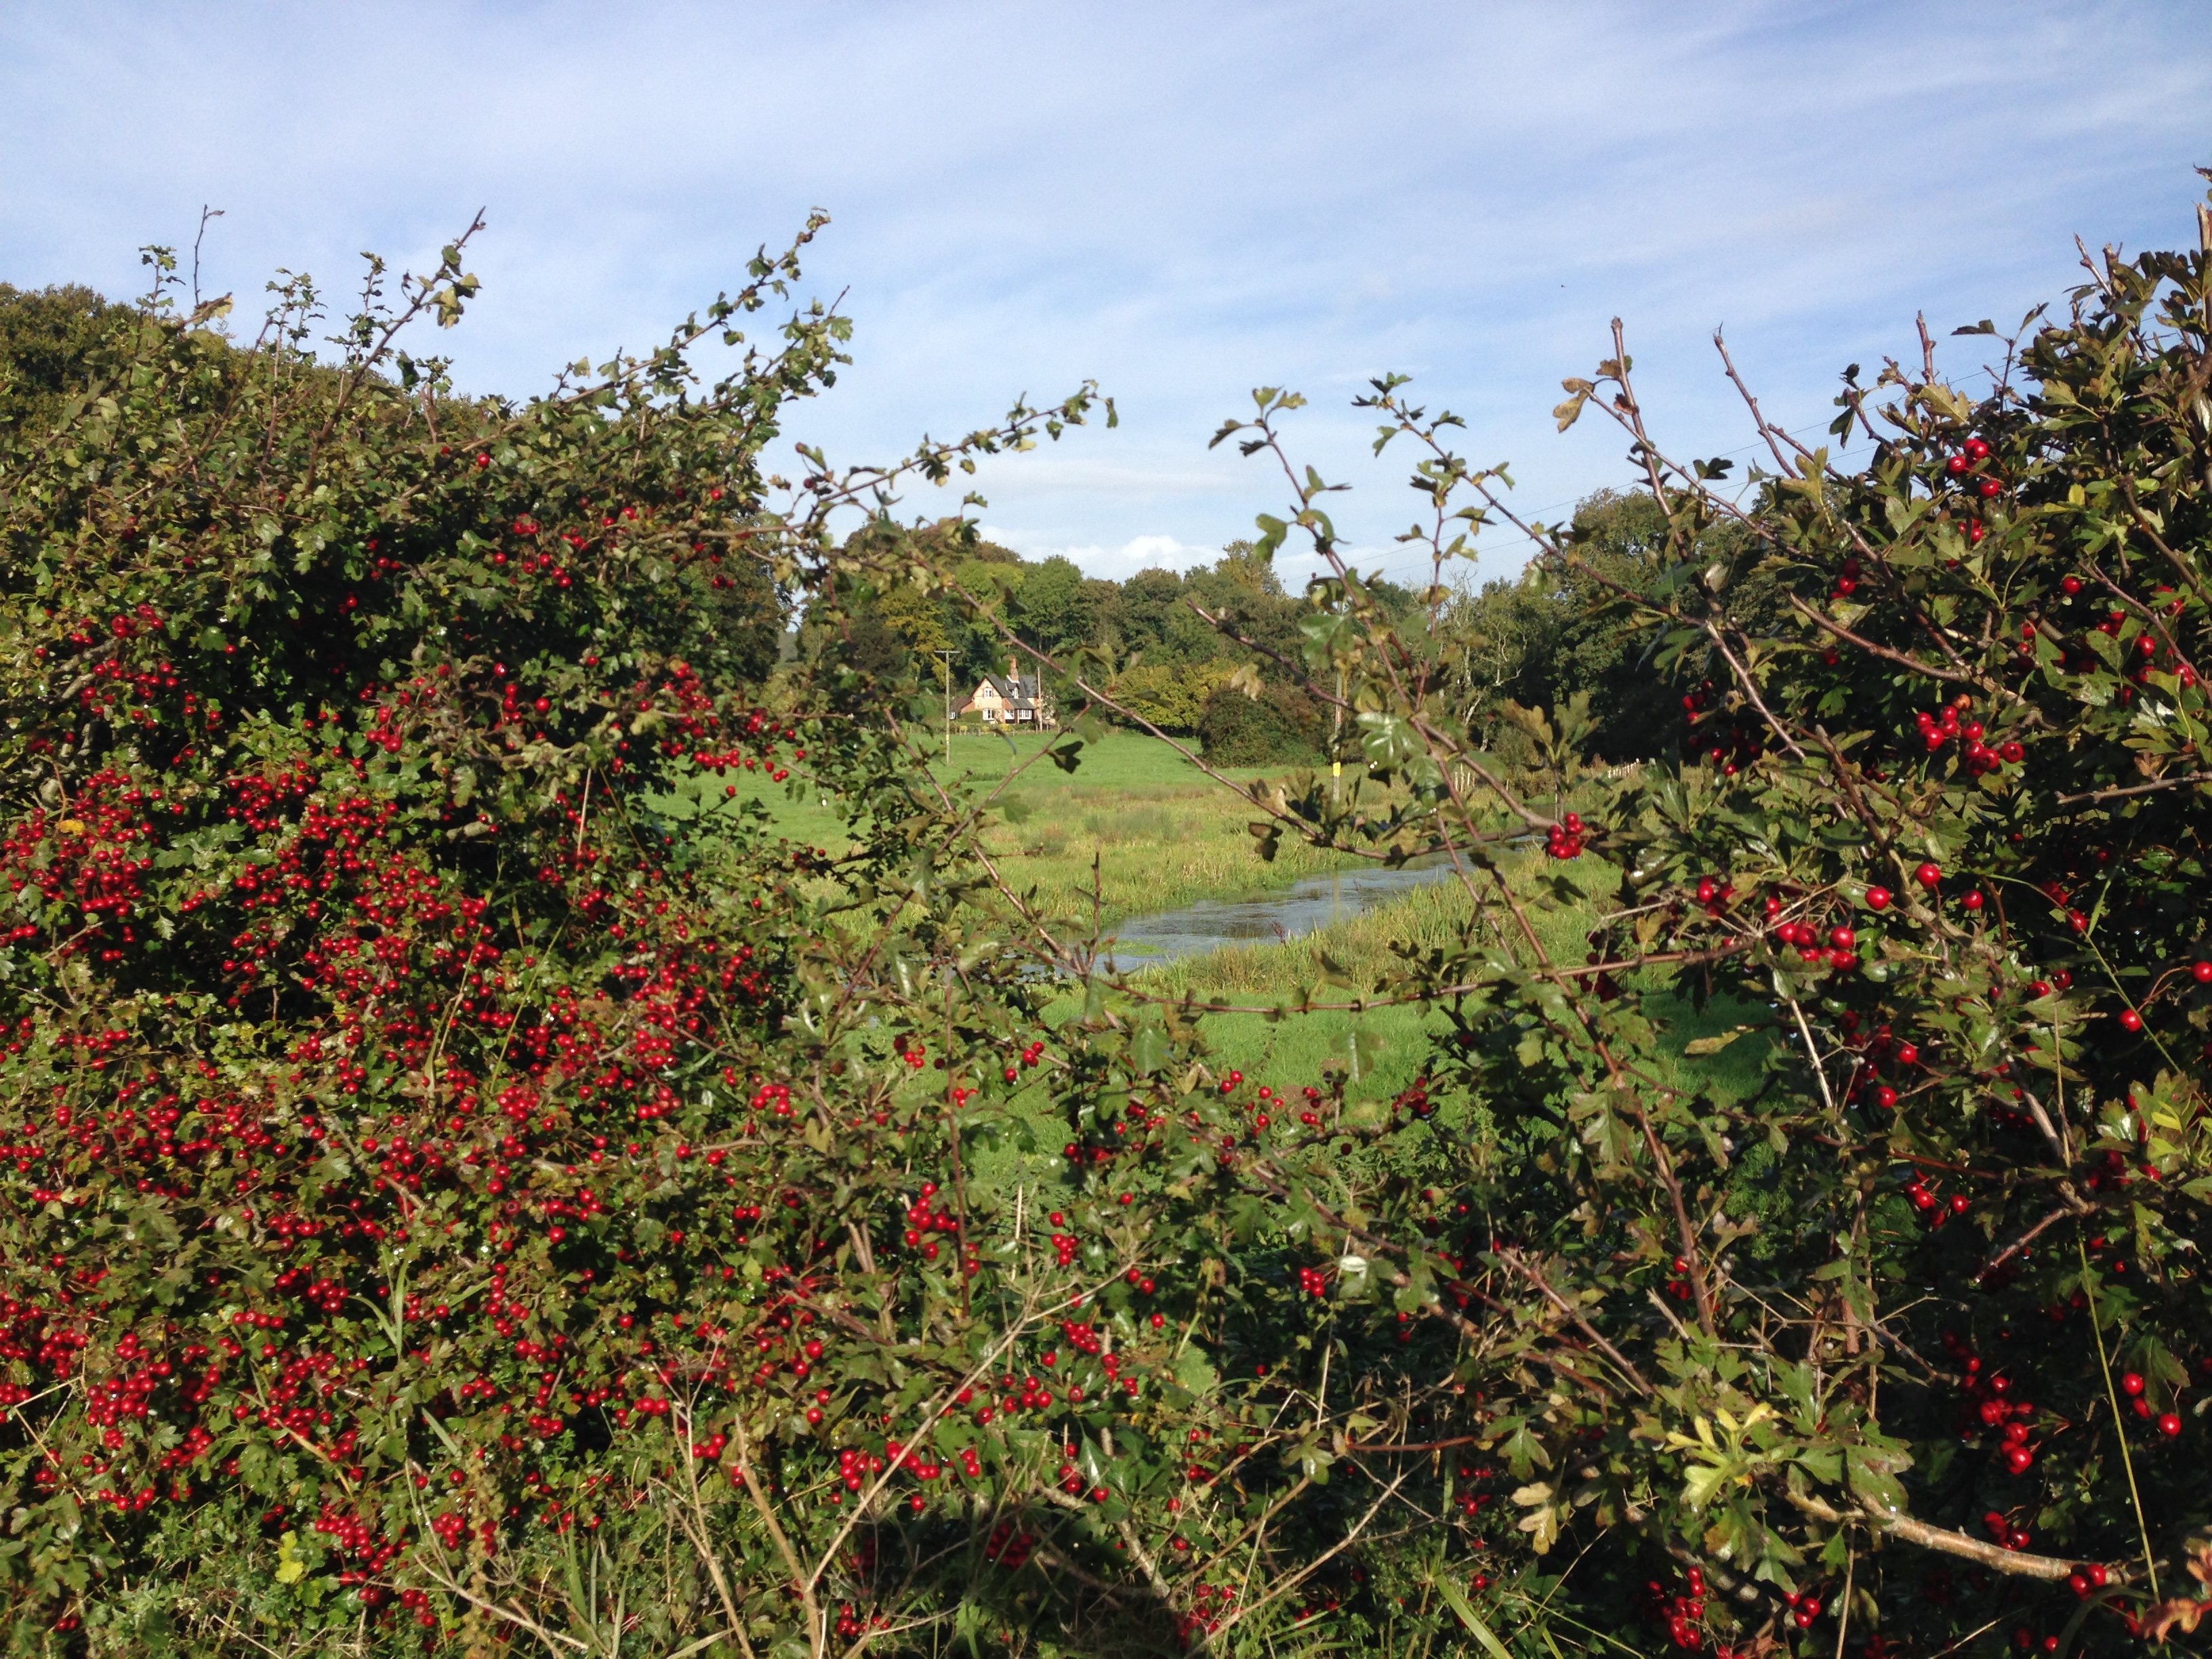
(1115, 563)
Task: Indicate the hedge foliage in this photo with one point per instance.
(466, 1182)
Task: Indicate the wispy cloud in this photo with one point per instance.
(1181, 202)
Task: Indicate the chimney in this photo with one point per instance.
(1014, 672)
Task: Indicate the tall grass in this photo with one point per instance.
(1354, 957)
(1140, 850)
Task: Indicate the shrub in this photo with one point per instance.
(1910, 1342)
(418, 1141)
(465, 1181)
(1170, 696)
(1267, 727)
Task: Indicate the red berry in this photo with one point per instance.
(1877, 898)
(2131, 1020)
(1927, 875)
(2202, 972)
(2169, 1425)
(2131, 1383)
(1908, 1053)
(1842, 938)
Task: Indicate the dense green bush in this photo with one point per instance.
(418, 1132)
(1908, 1344)
(464, 1181)
(1171, 696)
(1266, 724)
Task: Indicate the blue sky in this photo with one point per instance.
(1182, 201)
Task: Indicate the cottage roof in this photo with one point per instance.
(1017, 693)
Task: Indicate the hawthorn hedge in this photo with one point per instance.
(467, 1182)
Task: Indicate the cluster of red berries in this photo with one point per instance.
(1840, 949)
(1310, 1114)
(2133, 1386)
(923, 1217)
(1413, 1100)
(1992, 1403)
(1938, 730)
(1209, 1606)
(1934, 1207)
(850, 1625)
(1064, 1244)
(1876, 1048)
(1965, 468)
(1682, 1612)
(855, 1466)
(773, 1098)
(1027, 1394)
(360, 1538)
(1564, 840)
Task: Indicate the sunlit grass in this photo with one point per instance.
(1357, 957)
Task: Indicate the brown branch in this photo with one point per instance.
(2095, 795)
(1361, 1005)
(1512, 1260)
(2018, 1563)
(1767, 429)
(1901, 658)
(2073, 1205)
(1686, 1233)
(1351, 1536)
(1354, 1448)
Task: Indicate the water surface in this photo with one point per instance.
(1289, 912)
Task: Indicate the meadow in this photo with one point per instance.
(1155, 833)
(1135, 826)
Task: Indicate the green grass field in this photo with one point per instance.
(1165, 834)
(1393, 1039)
(1380, 1050)
(1161, 832)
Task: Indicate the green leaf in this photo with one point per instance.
(1872, 1473)
(290, 1568)
(1195, 1372)
(1455, 1598)
(1149, 1049)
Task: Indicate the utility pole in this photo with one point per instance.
(945, 656)
(1335, 800)
(1335, 736)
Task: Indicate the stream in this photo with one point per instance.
(1278, 917)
